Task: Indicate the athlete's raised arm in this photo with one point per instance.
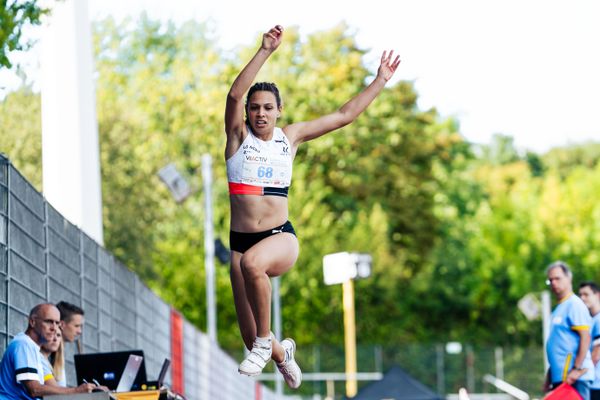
(303, 131)
(234, 108)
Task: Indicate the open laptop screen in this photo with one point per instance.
(163, 372)
(107, 368)
(130, 373)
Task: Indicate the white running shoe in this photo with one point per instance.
(289, 367)
(256, 360)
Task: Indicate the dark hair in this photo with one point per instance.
(264, 87)
(67, 310)
(591, 285)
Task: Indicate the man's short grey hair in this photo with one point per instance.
(562, 265)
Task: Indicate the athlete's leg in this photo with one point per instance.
(246, 320)
(242, 307)
(270, 257)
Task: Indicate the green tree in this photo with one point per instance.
(458, 234)
(14, 16)
(349, 187)
(564, 159)
(160, 94)
(500, 151)
(501, 224)
(20, 132)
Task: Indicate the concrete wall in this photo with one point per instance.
(45, 258)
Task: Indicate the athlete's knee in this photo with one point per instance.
(251, 266)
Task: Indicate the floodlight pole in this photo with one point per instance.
(349, 337)
(209, 248)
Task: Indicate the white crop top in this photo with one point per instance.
(261, 167)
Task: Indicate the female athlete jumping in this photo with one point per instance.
(259, 158)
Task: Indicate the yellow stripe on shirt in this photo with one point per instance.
(567, 367)
(580, 328)
(47, 377)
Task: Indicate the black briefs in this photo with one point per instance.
(242, 241)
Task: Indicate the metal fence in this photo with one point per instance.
(45, 258)
(442, 371)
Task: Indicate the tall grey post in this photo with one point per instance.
(71, 162)
(209, 248)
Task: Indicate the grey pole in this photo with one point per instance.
(209, 248)
(441, 377)
(499, 356)
(470, 358)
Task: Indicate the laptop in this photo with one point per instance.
(156, 385)
(108, 368)
(129, 373)
(163, 373)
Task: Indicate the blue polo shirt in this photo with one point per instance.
(569, 316)
(22, 361)
(596, 338)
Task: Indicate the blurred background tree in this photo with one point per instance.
(458, 232)
(15, 15)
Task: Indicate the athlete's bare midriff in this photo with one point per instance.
(257, 213)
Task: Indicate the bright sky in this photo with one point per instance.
(526, 68)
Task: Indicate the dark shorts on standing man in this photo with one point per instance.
(242, 241)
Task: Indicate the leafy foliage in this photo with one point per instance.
(20, 133)
(458, 233)
(334, 203)
(14, 16)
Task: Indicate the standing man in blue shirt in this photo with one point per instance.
(568, 346)
(590, 294)
(22, 369)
